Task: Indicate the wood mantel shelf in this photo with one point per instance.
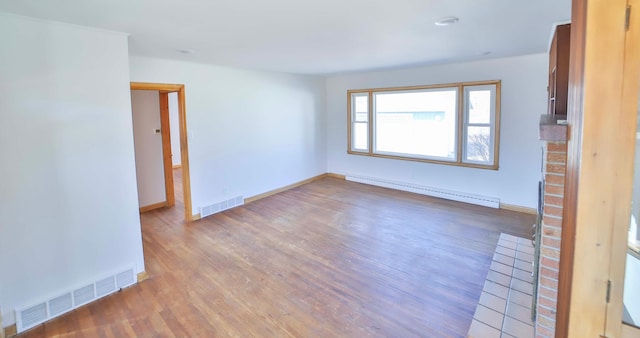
(550, 130)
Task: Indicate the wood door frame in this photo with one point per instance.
(604, 82)
(167, 156)
(165, 88)
(630, 94)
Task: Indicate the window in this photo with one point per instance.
(454, 124)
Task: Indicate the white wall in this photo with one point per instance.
(524, 83)
(631, 296)
(174, 126)
(145, 105)
(68, 201)
(249, 132)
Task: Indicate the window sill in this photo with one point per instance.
(424, 160)
(634, 251)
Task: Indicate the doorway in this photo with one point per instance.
(163, 91)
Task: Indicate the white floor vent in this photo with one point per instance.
(429, 191)
(30, 316)
(221, 206)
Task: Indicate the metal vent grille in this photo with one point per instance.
(214, 208)
(30, 316)
(125, 279)
(84, 295)
(33, 315)
(105, 286)
(60, 305)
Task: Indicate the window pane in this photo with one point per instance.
(479, 102)
(419, 123)
(478, 147)
(361, 108)
(360, 136)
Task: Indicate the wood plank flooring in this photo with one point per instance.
(327, 259)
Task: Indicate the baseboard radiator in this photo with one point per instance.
(486, 201)
(30, 316)
(215, 208)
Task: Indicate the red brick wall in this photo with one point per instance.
(554, 167)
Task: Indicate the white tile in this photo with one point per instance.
(507, 244)
(521, 286)
(519, 312)
(526, 249)
(503, 259)
(523, 275)
(499, 278)
(522, 265)
(496, 289)
(490, 317)
(505, 251)
(482, 330)
(524, 242)
(493, 302)
(523, 256)
(502, 268)
(520, 298)
(517, 328)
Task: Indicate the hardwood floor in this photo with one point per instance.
(327, 259)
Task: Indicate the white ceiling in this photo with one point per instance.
(315, 37)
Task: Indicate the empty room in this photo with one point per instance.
(417, 168)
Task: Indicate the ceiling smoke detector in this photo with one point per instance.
(447, 20)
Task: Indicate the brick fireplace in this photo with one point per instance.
(553, 134)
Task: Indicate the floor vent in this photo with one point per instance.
(30, 316)
(429, 191)
(221, 206)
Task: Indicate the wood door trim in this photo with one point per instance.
(184, 148)
(166, 149)
(184, 154)
(598, 168)
(620, 226)
(161, 87)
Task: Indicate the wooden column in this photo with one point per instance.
(599, 168)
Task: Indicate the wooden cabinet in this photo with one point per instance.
(559, 70)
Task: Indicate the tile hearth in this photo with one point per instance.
(504, 309)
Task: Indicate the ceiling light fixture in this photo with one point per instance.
(446, 21)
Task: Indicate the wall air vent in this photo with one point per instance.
(33, 315)
(125, 279)
(61, 304)
(428, 191)
(221, 206)
(84, 294)
(105, 286)
(30, 316)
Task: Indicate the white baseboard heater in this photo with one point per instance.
(486, 201)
